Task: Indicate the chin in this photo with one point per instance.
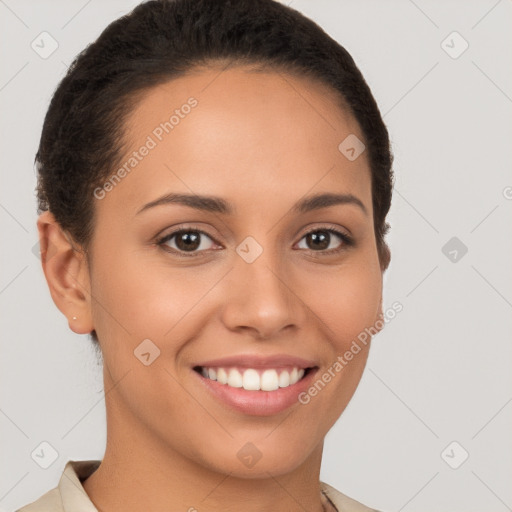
(258, 459)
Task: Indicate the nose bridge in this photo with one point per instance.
(259, 296)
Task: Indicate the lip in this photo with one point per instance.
(259, 361)
(256, 403)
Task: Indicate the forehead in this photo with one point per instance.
(239, 133)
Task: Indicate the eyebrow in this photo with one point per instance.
(218, 205)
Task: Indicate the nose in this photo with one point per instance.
(261, 299)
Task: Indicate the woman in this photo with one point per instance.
(214, 179)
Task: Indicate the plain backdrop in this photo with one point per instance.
(429, 426)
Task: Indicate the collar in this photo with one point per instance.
(74, 498)
(72, 493)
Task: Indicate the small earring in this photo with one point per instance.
(74, 318)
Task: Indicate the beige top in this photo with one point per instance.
(70, 496)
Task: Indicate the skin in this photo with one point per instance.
(261, 141)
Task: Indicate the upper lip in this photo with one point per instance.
(259, 361)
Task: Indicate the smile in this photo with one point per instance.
(262, 389)
(254, 379)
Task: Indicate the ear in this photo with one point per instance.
(384, 257)
(379, 319)
(65, 268)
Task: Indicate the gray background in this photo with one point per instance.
(439, 372)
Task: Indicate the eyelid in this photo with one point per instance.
(160, 239)
(326, 226)
(347, 239)
(342, 233)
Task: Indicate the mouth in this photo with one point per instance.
(255, 379)
(261, 387)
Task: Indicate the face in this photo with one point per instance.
(246, 275)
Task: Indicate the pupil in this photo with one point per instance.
(320, 236)
(188, 241)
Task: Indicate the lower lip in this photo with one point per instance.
(258, 403)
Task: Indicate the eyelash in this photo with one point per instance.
(347, 240)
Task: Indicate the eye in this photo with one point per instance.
(183, 241)
(319, 240)
(188, 242)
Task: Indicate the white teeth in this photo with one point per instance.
(222, 376)
(269, 380)
(254, 380)
(251, 380)
(284, 380)
(234, 378)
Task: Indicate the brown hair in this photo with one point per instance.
(83, 133)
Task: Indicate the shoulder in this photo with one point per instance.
(48, 502)
(342, 502)
(69, 495)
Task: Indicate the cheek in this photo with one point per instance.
(141, 297)
(149, 300)
(345, 302)
(123, 296)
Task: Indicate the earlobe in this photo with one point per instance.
(65, 268)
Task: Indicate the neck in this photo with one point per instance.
(136, 481)
(140, 472)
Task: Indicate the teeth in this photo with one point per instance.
(254, 380)
(269, 380)
(234, 378)
(284, 380)
(251, 380)
(222, 376)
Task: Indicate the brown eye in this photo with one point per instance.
(319, 240)
(188, 241)
(185, 241)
